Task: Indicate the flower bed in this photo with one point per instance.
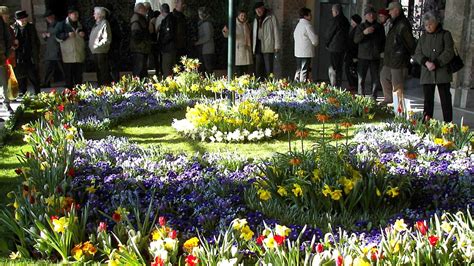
(220, 122)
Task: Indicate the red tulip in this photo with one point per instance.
(172, 234)
(162, 221)
(191, 260)
(339, 260)
(60, 108)
(158, 262)
(319, 248)
(421, 226)
(433, 240)
(260, 240)
(102, 227)
(116, 217)
(279, 239)
(54, 217)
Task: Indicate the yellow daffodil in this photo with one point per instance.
(190, 244)
(395, 245)
(446, 227)
(157, 235)
(464, 129)
(246, 233)
(264, 194)
(170, 244)
(282, 191)
(91, 189)
(297, 190)
(50, 201)
(238, 224)
(445, 129)
(60, 225)
(300, 173)
(16, 204)
(377, 192)
(347, 183)
(400, 225)
(393, 192)
(282, 230)
(361, 262)
(266, 232)
(77, 253)
(438, 141)
(336, 194)
(15, 255)
(316, 175)
(269, 242)
(70, 136)
(326, 190)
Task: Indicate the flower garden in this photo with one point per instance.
(344, 181)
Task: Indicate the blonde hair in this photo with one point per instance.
(4, 10)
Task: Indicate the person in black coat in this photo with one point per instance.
(350, 61)
(167, 40)
(337, 35)
(27, 52)
(52, 55)
(370, 35)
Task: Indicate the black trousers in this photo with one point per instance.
(208, 62)
(444, 96)
(139, 68)
(25, 72)
(168, 61)
(263, 64)
(363, 66)
(302, 68)
(103, 69)
(243, 70)
(53, 67)
(73, 74)
(350, 67)
(335, 68)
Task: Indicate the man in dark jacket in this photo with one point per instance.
(167, 40)
(4, 53)
(399, 46)
(27, 52)
(370, 36)
(181, 29)
(52, 55)
(337, 35)
(140, 44)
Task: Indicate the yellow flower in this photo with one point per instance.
(264, 194)
(60, 225)
(16, 204)
(91, 189)
(361, 262)
(15, 255)
(297, 190)
(446, 227)
(300, 173)
(395, 245)
(190, 244)
(89, 249)
(282, 230)
(336, 194)
(464, 129)
(445, 129)
(70, 136)
(238, 224)
(170, 244)
(282, 191)
(377, 192)
(393, 192)
(400, 225)
(347, 183)
(156, 235)
(77, 253)
(438, 141)
(326, 190)
(246, 233)
(316, 176)
(266, 232)
(269, 242)
(50, 200)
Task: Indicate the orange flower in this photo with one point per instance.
(411, 155)
(337, 136)
(346, 124)
(323, 118)
(301, 133)
(295, 161)
(288, 127)
(116, 217)
(309, 90)
(333, 101)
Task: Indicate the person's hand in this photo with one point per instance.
(430, 65)
(72, 34)
(225, 29)
(369, 30)
(82, 34)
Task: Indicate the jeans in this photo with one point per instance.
(335, 68)
(302, 68)
(362, 67)
(263, 64)
(444, 96)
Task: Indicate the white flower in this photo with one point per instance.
(225, 262)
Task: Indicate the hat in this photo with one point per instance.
(21, 14)
(368, 10)
(393, 5)
(48, 13)
(356, 18)
(258, 4)
(4, 10)
(383, 11)
(72, 9)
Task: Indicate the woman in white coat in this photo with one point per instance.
(305, 41)
(243, 44)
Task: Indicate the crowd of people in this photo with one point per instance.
(381, 42)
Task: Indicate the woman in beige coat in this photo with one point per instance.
(243, 44)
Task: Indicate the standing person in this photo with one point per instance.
(243, 43)
(167, 41)
(266, 40)
(117, 36)
(181, 29)
(399, 45)
(205, 42)
(140, 44)
(384, 19)
(370, 36)
(5, 43)
(350, 59)
(155, 49)
(434, 51)
(70, 35)
(26, 52)
(52, 55)
(99, 44)
(337, 35)
(305, 41)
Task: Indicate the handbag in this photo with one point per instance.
(12, 88)
(456, 63)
